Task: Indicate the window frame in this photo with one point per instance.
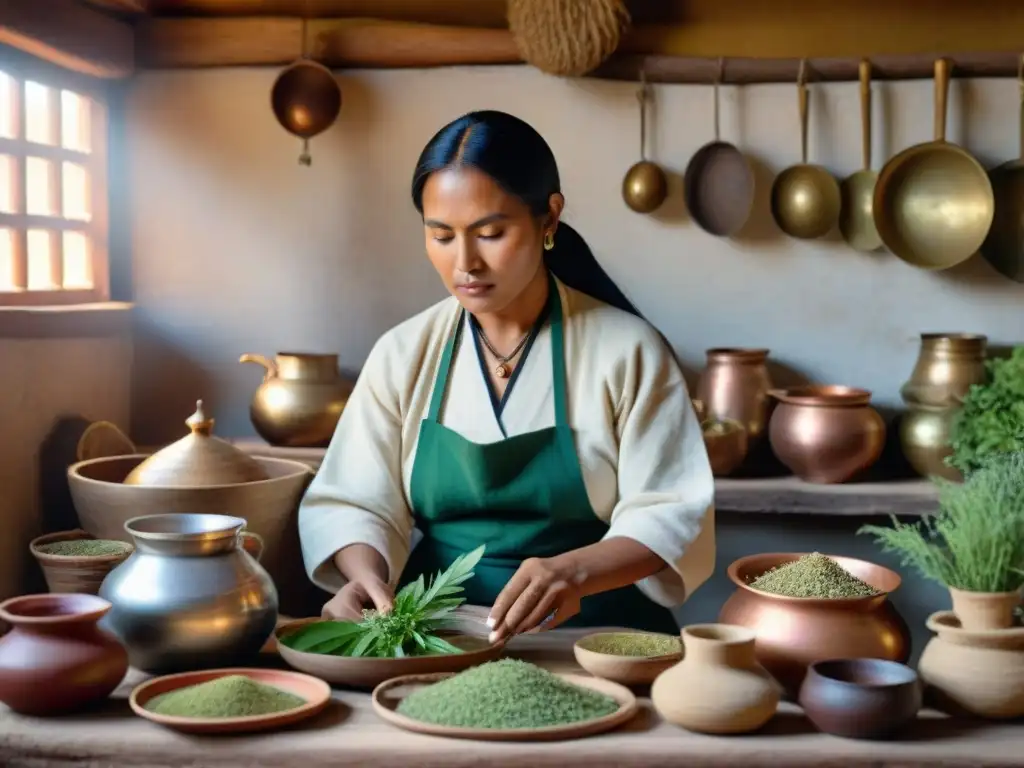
(21, 67)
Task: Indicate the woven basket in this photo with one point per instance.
(568, 38)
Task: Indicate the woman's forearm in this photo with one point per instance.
(358, 562)
(609, 564)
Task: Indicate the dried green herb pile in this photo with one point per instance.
(813, 575)
(86, 548)
(229, 696)
(505, 694)
(637, 644)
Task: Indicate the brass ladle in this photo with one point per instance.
(856, 217)
(805, 197)
(644, 187)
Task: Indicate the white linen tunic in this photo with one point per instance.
(639, 443)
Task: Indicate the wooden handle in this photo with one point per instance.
(942, 68)
(803, 122)
(865, 112)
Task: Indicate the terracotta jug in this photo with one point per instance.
(979, 673)
(300, 400)
(734, 385)
(736, 694)
(56, 659)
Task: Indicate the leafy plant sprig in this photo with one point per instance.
(975, 542)
(420, 610)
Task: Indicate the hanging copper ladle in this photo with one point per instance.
(306, 99)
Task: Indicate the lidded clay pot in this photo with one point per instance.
(794, 632)
(826, 434)
(56, 659)
(199, 459)
(979, 673)
(736, 693)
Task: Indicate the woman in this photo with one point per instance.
(534, 412)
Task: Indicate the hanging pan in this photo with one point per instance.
(719, 184)
(933, 202)
(1004, 246)
(856, 218)
(644, 187)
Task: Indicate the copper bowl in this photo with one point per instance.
(795, 632)
(826, 434)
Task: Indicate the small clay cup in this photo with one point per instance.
(74, 574)
(861, 698)
(56, 659)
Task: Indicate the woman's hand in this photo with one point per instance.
(356, 595)
(542, 594)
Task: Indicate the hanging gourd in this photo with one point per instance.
(567, 37)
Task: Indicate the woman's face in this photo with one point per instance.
(484, 243)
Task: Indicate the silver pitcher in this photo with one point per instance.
(191, 596)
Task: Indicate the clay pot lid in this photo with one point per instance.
(196, 460)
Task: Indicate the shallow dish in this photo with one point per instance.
(628, 670)
(368, 672)
(389, 694)
(316, 692)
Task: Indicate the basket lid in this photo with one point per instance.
(198, 459)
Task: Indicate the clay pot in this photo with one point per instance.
(794, 632)
(977, 673)
(72, 574)
(56, 659)
(826, 434)
(861, 698)
(984, 610)
(734, 385)
(737, 695)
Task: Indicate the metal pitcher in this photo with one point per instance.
(192, 595)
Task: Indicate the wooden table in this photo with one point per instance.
(350, 734)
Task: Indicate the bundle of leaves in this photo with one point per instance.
(975, 542)
(420, 611)
(991, 420)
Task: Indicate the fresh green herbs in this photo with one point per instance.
(505, 694)
(814, 575)
(991, 420)
(635, 644)
(975, 542)
(420, 611)
(228, 696)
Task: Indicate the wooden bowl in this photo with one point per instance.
(316, 693)
(627, 670)
(389, 694)
(365, 673)
(71, 573)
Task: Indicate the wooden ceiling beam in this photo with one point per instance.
(123, 7)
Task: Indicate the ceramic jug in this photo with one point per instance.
(300, 400)
(736, 694)
(191, 595)
(56, 659)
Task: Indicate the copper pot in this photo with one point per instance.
(734, 385)
(947, 365)
(826, 434)
(925, 439)
(794, 632)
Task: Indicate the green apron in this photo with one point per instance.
(523, 497)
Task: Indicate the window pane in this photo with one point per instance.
(6, 259)
(8, 184)
(39, 187)
(76, 192)
(8, 107)
(77, 264)
(39, 127)
(74, 121)
(40, 248)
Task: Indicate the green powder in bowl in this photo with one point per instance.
(505, 694)
(635, 644)
(228, 696)
(85, 548)
(814, 575)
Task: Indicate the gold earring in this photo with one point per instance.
(549, 241)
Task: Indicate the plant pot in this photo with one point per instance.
(737, 694)
(73, 573)
(978, 673)
(984, 610)
(56, 659)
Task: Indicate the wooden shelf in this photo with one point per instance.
(777, 495)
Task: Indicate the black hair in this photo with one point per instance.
(515, 155)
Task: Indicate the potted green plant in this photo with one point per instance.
(973, 544)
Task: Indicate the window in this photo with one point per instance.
(53, 219)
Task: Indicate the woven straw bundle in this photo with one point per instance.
(567, 37)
